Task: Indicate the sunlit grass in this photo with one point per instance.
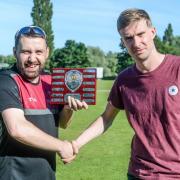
(107, 156)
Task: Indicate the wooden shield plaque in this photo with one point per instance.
(79, 83)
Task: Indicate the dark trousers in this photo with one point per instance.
(131, 177)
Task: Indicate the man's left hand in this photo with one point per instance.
(76, 104)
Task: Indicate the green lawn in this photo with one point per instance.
(106, 157)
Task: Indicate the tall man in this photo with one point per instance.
(149, 93)
(28, 122)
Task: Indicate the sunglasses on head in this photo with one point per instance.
(30, 31)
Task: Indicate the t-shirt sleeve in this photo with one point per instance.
(9, 94)
(115, 96)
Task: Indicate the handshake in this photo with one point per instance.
(68, 151)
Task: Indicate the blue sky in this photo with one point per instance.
(92, 22)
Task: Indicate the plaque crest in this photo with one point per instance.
(73, 80)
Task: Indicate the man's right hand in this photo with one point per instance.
(66, 152)
(75, 149)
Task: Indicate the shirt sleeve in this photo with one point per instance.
(115, 96)
(9, 93)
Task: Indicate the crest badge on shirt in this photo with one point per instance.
(173, 90)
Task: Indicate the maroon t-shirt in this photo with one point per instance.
(152, 104)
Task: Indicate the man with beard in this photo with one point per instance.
(28, 122)
(149, 92)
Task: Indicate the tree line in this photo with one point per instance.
(77, 54)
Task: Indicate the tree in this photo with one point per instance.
(42, 14)
(98, 58)
(72, 55)
(161, 46)
(111, 61)
(165, 48)
(168, 35)
(10, 59)
(124, 59)
(177, 45)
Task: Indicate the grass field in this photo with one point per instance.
(106, 157)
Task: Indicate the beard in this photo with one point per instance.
(31, 75)
(28, 73)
